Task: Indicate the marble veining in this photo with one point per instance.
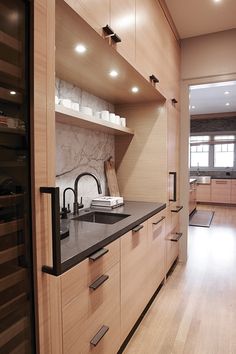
(81, 150)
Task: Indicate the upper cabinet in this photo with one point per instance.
(157, 50)
(122, 21)
(95, 12)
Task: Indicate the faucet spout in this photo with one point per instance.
(76, 204)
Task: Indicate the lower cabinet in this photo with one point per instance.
(91, 316)
(221, 190)
(203, 193)
(134, 276)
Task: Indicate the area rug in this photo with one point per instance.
(202, 218)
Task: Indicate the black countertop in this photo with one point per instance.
(86, 237)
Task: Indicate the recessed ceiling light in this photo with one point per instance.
(80, 48)
(226, 92)
(113, 73)
(227, 104)
(135, 89)
(217, 0)
(193, 107)
(12, 92)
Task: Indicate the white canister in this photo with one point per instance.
(86, 110)
(123, 122)
(97, 115)
(118, 120)
(105, 115)
(75, 106)
(112, 117)
(66, 102)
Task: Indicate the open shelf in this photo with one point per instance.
(11, 226)
(10, 41)
(69, 116)
(10, 200)
(10, 69)
(7, 130)
(90, 71)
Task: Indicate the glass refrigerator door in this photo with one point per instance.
(16, 289)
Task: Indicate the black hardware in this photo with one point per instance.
(174, 101)
(176, 239)
(157, 222)
(56, 244)
(96, 339)
(137, 228)
(177, 210)
(110, 33)
(98, 254)
(64, 210)
(98, 282)
(154, 79)
(108, 30)
(173, 175)
(116, 38)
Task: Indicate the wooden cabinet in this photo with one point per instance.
(221, 190)
(134, 277)
(157, 50)
(203, 193)
(233, 191)
(91, 304)
(156, 251)
(122, 21)
(95, 12)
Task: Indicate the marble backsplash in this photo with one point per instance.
(81, 150)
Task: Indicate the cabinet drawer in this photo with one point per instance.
(88, 313)
(134, 275)
(172, 249)
(203, 193)
(81, 276)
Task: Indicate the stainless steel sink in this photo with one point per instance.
(202, 179)
(101, 217)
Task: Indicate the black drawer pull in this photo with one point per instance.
(174, 101)
(137, 228)
(154, 79)
(98, 282)
(178, 208)
(176, 237)
(157, 222)
(96, 339)
(110, 33)
(98, 254)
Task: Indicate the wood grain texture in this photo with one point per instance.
(203, 193)
(221, 190)
(111, 178)
(195, 312)
(88, 312)
(43, 170)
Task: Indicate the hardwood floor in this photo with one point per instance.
(195, 312)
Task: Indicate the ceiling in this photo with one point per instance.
(213, 98)
(197, 17)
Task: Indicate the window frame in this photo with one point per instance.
(211, 152)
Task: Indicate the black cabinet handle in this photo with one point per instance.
(137, 228)
(174, 101)
(96, 339)
(98, 254)
(176, 236)
(56, 241)
(154, 79)
(177, 210)
(173, 176)
(157, 222)
(98, 282)
(110, 33)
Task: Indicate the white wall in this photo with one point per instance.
(204, 59)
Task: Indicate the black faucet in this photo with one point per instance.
(77, 205)
(64, 209)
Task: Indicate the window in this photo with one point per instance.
(199, 153)
(224, 152)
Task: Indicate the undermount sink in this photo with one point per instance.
(101, 217)
(202, 179)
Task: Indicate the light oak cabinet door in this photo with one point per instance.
(157, 50)
(221, 190)
(156, 251)
(122, 21)
(134, 277)
(233, 191)
(203, 193)
(95, 12)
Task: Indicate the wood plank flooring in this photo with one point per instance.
(195, 312)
